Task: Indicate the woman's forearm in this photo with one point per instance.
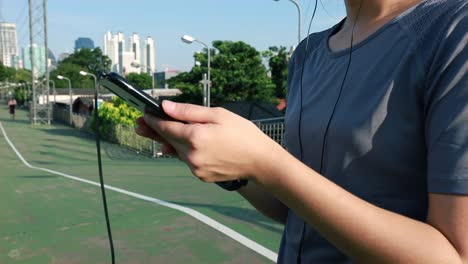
(364, 232)
(264, 202)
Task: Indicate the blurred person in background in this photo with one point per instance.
(12, 107)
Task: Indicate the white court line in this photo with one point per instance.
(197, 215)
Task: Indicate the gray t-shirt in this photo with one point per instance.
(400, 127)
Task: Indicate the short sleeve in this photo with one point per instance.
(446, 102)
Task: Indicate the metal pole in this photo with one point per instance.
(299, 24)
(55, 91)
(208, 93)
(205, 89)
(31, 54)
(71, 101)
(44, 9)
(153, 142)
(152, 82)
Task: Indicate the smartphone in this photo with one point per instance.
(135, 96)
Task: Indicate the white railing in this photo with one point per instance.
(272, 127)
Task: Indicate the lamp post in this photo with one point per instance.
(55, 91)
(299, 24)
(138, 65)
(60, 77)
(95, 84)
(92, 75)
(189, 40)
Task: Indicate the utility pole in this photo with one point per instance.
(47, 86)
(31, 55)
(40, 104)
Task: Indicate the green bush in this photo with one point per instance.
(114, 113)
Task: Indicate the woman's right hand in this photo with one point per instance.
(216, 144)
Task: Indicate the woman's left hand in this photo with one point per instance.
(216, 144)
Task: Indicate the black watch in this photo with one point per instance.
(232, 185)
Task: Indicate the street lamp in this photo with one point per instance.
(55, 91)
(138, 65)
(60, 77)
(189, 40)
(299, 12)
(92, 75)
(95, 85)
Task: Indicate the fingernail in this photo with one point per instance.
(168, 106)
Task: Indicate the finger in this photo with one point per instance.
(190, 112)
(144, 130)
(169, 130)
(168, 150)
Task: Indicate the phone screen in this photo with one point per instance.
(131, 94)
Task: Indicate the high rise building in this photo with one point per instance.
(111, 50)
(38, 59)
(149, 55)
(84, 43)
(122, 57)
(135, 47)
(16, 62)
(8, 43)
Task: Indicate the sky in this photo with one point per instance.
(260, 23)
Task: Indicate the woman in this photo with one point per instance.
(377, 168)
(12, 106)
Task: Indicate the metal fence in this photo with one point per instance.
(126, 136)
(272, 127)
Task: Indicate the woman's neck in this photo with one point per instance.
(363, 13)
(364, 17)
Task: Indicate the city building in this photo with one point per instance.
(162, 77)
(135, 47)
(111, 50)
(84, 43)
(132, 57)
(63, 56)
(16, 62)
(39, 61)
(8, 43)
(120, 38)
(52, 62)
(149, 56)
(128, 58)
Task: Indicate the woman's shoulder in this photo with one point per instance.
(432, 16)
(310, 43)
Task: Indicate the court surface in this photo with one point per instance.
(159, 212)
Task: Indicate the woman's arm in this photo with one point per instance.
(264, 202)
(367, 233)
(220, 146)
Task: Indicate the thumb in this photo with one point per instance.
(189, 112)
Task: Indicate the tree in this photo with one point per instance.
(141, 80)
(7, 73)
(237, 74)
(23, 75)
(90, 60)
(84, 59)
(71, 71)
(278, 63)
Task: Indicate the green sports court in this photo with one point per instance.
(52, 212)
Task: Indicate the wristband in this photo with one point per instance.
(232, 185)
